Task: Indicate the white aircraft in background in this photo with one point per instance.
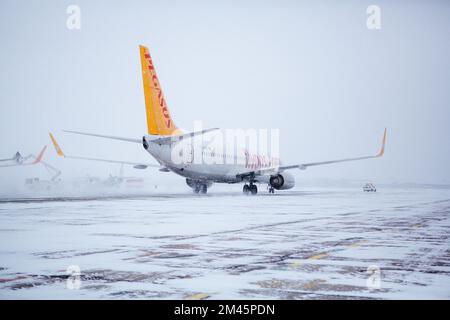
(18, 160)
(136, 165)
(163, 136)
(31, 159)
(112, 180)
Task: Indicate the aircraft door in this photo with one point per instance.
(189, 153)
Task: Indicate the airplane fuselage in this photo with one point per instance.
(212, 167)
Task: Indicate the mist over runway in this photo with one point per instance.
(307, 243)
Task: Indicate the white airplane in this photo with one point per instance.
(112, 180)
(164, 137)
(18, 160)
(136, 165)
(31, 159)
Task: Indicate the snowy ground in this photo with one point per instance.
(302, 244)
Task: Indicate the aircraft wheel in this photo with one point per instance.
(196, 188)
(246, 189)
(271, 190)
(203, 188)
(253, 189)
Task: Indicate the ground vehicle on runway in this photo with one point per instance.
(369, 187)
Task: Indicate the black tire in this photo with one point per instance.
(254, 189)
(204, 189)
(196, 188)
(246, 189)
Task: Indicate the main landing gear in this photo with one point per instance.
(271, 189)
(250, 188)
(200, 188)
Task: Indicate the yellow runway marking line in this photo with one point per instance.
(295, 264)
(356, 244)
(318, 256)
(198, 296)
(323, 255)
(313, 284)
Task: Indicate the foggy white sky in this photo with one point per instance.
(313, 70)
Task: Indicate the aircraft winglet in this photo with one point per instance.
(56, 145)
(39, 157)
(381, 153)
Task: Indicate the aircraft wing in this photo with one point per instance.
(170, 139)
(136, 165)
(11, 165)
(303, 166)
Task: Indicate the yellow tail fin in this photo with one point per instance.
(159, 121)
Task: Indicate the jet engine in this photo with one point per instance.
(282, 181)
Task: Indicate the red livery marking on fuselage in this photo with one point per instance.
(256, 161)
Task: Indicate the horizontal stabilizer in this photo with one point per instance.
(171, 139)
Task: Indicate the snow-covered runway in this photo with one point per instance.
(317, 244)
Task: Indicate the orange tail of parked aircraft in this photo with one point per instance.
(40, 155)
(159, 121)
